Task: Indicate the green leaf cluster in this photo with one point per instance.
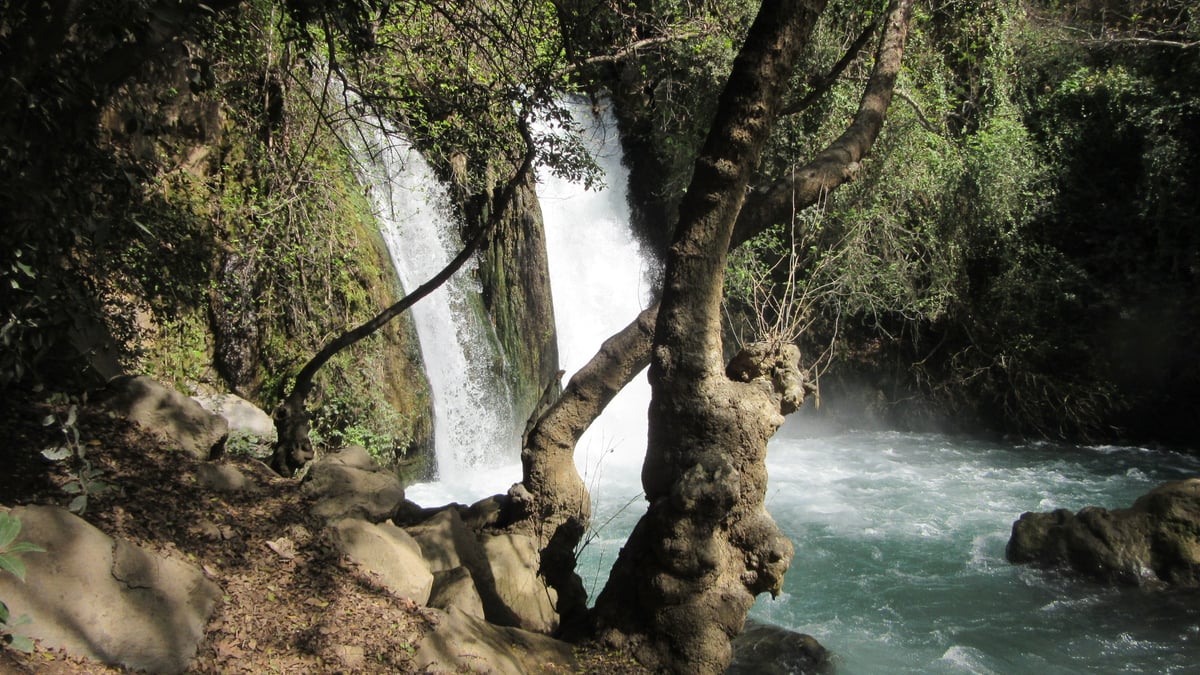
(10, 527)
(939, 257)
(85, 480)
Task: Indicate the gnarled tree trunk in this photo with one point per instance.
(552, 489)
(551, 502)
(706, 547)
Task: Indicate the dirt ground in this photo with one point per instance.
(291, 603)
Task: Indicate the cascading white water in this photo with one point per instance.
(598, 277)
(599, 282)
(899, 537)
(474, 422)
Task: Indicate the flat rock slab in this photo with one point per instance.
(107, 599)
(513, 559)
(224, 478)
(350, 484)
(454, 588)
(459, 643)
(389, 553)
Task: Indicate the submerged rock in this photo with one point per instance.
(767, 649)
(1155, 542)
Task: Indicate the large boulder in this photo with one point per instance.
(224, 478)
(454, 588)
(389, 553)
(251, 430)
(178, 419)
(460, 643)
(1155, 542)
(503, 568)
(513, 562)
(106, 599)
(350, 484)
(767, 649)
(241, 415)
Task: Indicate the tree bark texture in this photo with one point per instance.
(706, 547)
(776, 202)
(552, 490)
(552, 503)
(839, 162)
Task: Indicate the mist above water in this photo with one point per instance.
(899, 537)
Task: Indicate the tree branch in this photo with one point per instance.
(624, 52)
(1140, 42)
(924, 122)
(629, 362)
(821, 86)
(839, 162)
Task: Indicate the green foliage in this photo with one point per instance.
(345, 418)
(85, 479)
(60, 187)
(10, 527)
(939, 247)
(307, 262)
(243, 444)
(452, 74)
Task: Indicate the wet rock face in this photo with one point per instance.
(515, 278)
(1155, 542)
(236, 322)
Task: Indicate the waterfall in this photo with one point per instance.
(474, 423)
(599, 282)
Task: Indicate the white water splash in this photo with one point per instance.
(474, 427)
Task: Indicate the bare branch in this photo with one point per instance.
(822, 85)
(625, 52)
(839, 162)
(917, 109)
(1140, 42)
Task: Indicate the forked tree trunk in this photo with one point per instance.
(552, 491)
(691, 569)
(552, 503)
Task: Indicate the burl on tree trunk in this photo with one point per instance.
(707, 546)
